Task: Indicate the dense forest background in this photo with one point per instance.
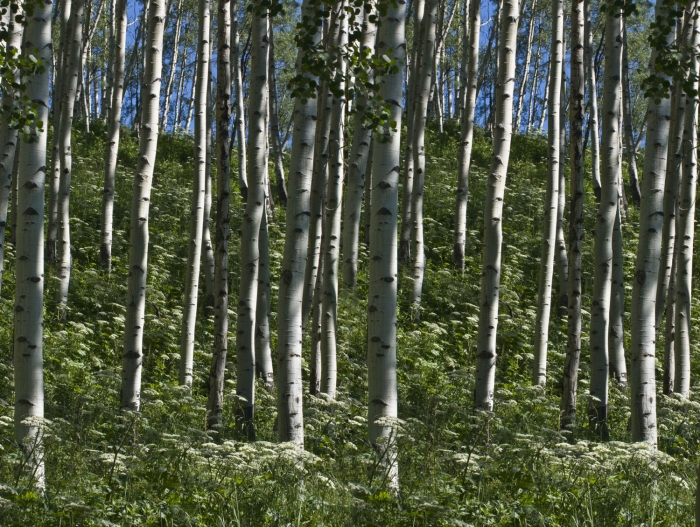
(340, 263)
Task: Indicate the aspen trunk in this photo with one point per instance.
(605, 221)
(173, 67)
(589, 61)
(223, 215)
(627, 120)
(616, 330)
(574, 285)
(549, 238)
(252, 219)
(670, 203)
(493, 212)
(238, 95)
(362, 137)
(138, 250)
(290, 419)
(669, 374)
(406, 222)
(383, 257)
(55, 180)
(8, 143)
(333, 211)
(467, 131)
(194, 255)
(208, 263)
(560, 256)
(29, 267)
(316, 359)
(424, 81)
(526, 66)
(367, 206)
(263, 352)
(277, 146)
(71, 72)
(113, 130)
(686, 221)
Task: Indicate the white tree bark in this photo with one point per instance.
(194, 255)
(165, 112)
(605, 221)
(208, 260)
(277, 146)
(29, 268)
(333, 215)
(493, 211)
(526, 66)
(72, 73)
(589, 61)
(143, 181)
(383, 257)
(561, 257)
(290, 420)
(252, 218)
(686, 219)
(544, 304)
(263, 352)
(616, 328)
(8, 144)
(357, 184)
(223, 215)
(465, 153)
(425, 76)
(238, 95)
(113, 129)
(630, 145)
(576, 159)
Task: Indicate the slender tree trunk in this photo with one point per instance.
(223, 215)
(29, 267)
(8, 144)
(560, 256)
(316, 359)
(191, 103)
(576, 159)
(263, 352)
(362, 138)
(277, 146)
(493, 212)
(55, 180)
(627, 119)
(424, 81)
(138, 250)
(472, 51)
(72, 72)
(194, 255)
(669, 374)
(173, 67)
(208, 263)
(383, 258)
(589, 60)
(670, 204)
(686, 218)
(549, 238)
(526, 67)
(238, 95)
(13, 197)
(108, 75)
(406, 222)
(113, 130)
(290, 420)
(535, 84)
(605, 222)
(368, 195)
(252, 218)
(616, 329)
(318, 191)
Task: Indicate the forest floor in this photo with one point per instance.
(457, 468)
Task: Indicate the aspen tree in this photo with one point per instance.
(71, 72)
(561, 257)
(589, 61)
(467, 134)
(173, 67)
(406, 223)
(114, 123)
(252, 217)
(574, 285)
(277, 145)
(544, 303)
(673, 183)
(290, 420)
(238, 95)
(316, 360)
(644, 285)
(686, 218)
(357, 184)
(8, 143)
(208, 263)
(383, 257)
(669, 373)
(616, 329)
(424, 81)
(526, 66)
(493, 212)
(194, 255)
(55, 180)
(605, 221)
(319, 182)
(223, 215)
(29, 267)
(263, 353)
(627, 120)
(143, 181)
